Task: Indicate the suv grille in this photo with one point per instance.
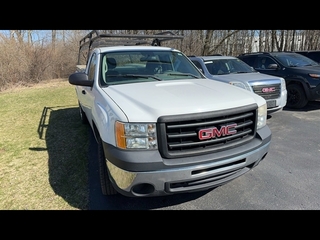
(268, 91)
(178, 135)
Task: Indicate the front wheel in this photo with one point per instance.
(106, 185)
(296, 96)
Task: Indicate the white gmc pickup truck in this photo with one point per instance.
(161, 126)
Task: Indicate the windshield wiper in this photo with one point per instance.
(142, 76)
(240, 72)
(136, 76)
(223, 73)
(183, 74)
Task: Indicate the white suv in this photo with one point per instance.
(234, 71)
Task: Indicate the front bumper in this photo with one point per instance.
(146, 173)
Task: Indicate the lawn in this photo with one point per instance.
(43, 149)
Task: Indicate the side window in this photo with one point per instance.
(198, 65)
(213, 67)
(264, 62)
(92, 67)
(249, 61)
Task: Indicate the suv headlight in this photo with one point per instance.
(136, 135)
(283, 85)
(240, 84)
(314, 75)
(262, 116)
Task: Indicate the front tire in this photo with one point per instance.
(106, 185)
(296, 96)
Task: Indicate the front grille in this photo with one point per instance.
(178, 135)
(270, 91)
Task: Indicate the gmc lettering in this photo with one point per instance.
(214, 132)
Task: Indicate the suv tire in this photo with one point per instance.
(296, 96)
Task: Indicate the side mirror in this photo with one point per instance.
(273, 66)
(81, 79)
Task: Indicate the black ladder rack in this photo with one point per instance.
(96, 39)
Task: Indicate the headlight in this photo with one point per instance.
(313, 75)
(136, 135)
(262, 116)
(283, 85)
(240, 84)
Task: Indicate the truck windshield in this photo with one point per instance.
(147, 65)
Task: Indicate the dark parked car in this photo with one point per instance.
(302, 74)
(313, 54)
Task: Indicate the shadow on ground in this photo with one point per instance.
(67, 145)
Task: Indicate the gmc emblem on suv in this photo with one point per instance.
(270, 89)
(214, 132)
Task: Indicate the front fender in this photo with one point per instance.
(104, 114)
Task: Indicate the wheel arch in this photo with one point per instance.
(301, 82)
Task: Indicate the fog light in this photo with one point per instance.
(143, 189)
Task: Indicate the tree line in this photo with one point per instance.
(30, 56)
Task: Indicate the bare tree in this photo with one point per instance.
(280, 41)
(12, 33)
(53, 39)
(207, 42)
(228, 34)
(261, 41)
(29, 36)
(293, 40)
(248, 43)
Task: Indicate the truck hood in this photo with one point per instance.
(147, 101)
(245, 77)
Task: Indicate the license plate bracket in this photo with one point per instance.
(271, 103)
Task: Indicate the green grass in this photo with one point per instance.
(43, 149)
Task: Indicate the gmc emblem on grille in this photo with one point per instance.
(270, 89)
(214, 132)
